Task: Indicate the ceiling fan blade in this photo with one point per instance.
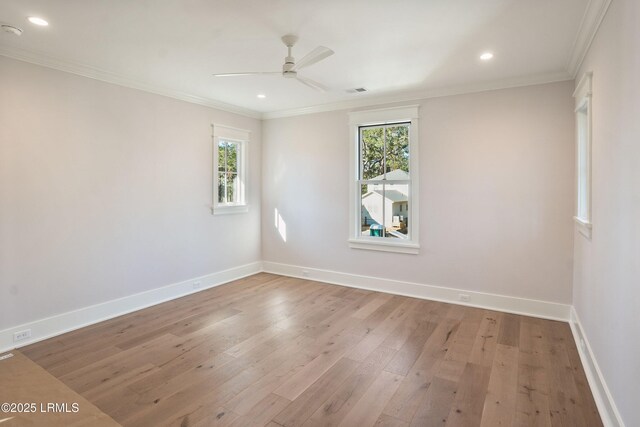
(316, 55)
(312, 84)
(248, 73)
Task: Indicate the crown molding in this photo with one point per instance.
(423, 94)
(593, 16)
(44, 60)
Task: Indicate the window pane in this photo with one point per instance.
(222, 192)
(372, 152)
(232, 157)
(232, 184)
(582, 164)
(396, 218)
(371, 215)
(398, 151)
(222, 147)
(227, 187)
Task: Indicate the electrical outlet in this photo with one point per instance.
(197, 285)
(305, 273)
(464, 297)
(22, 335)
(6, 356)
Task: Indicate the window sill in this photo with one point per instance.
(584, 227)
(231, 209)
(403, 248)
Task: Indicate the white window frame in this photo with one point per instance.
(583, 114)
(240, 137)
(382, 117)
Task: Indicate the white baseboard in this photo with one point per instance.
(523, 306)
(604, 400)
(55, 325)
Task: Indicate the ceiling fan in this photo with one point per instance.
(290, 67)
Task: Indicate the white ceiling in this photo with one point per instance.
(388, 47)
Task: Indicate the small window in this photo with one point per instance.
(230, 175)
(228, 182)
(583, 155)
(384, 188)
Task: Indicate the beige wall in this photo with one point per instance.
(607, 268)
(496, 194)
(105, 192)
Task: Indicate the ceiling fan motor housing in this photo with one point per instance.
(289, 61)
(287, 67)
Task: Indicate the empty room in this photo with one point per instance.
(293, 213)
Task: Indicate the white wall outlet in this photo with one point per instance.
(464, 297)
(305, 273)
(197, 284)
(22, 335)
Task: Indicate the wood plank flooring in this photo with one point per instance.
(48, 402)
(275, 351)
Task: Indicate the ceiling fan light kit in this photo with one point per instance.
(290, 67)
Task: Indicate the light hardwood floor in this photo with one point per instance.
(277, 351)
(22, 382)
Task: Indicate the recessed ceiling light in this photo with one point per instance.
(486, 56)
(38, 21)
(262, 96)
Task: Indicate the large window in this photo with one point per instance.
(583, 155)
(230, 175)
(384, 187)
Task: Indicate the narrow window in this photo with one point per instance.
(228, 182)
(583, 155)
(230, 174)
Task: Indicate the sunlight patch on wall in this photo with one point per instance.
(280, 225)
